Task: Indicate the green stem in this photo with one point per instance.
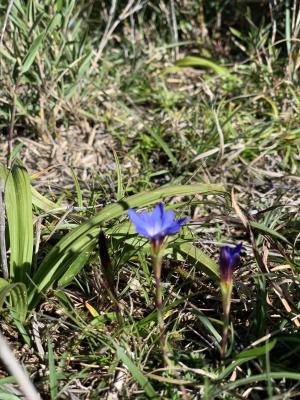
(157, 261)
(226, 294)
(157, 264)
(224, 337)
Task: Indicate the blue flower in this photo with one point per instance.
(229, 259)
(158, 225)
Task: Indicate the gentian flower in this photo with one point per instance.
(229, 259)
(158, 225)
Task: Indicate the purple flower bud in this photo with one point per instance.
(229, 259)
(158, 225)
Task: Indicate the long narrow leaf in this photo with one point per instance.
(18, 295)
(72, 245)
(200, 259)
(41, 201)
(18, 202)
(32, 52)
(137, 374)
(191, 61)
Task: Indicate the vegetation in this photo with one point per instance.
(111, 106)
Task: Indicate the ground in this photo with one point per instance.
(144, 116)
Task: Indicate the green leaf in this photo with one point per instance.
(164, 146)
(6, 54)
(200, 259)
(63, 254)
(267, 231)
(235, 32)
(42, 202)
(77, 265)
(77, 188)
(191, 61)
(21, 107)
(208, 325)
(18, 296)
(136, 373)
(254, 378)
(32, 52)
(15, 151)
(152, 317)
(18, 202)
(85, 64)
(54, 23)
(120, 190)
(257, 351)
(245, 356)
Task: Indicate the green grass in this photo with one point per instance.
(150, 119)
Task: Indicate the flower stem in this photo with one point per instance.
(226, 297)
(157, 264)
(224, 337)
(157, 261)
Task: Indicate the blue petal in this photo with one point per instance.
(158, 224)
(237, 249)
(167, 219)
(158, 212)
(173, 228)
(140, 222)
(229, 259)
(183, 221)
(155, 220)
(142, 231)
(225, 256)
(146, 218)
(225, 263)
(135, 217)
(235, 255)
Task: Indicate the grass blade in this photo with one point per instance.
(256, 378)
(18, 295)
(191, 61)
(52, 372)
(78, 190)
(41, 201)
(200, 259)
(136, 373)
(67, 249)
(32, 52)
(163, 145)
(264, 230)
(18, 202)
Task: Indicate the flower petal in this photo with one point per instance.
(135, 217)
(235, 255)
(237, 249)
(142, 231)
(146, 218)
(229, 259)
(167, 219)
(156, 220)
(157, 225)
(158, 212)
(183, 221)
(173, 228)
(225, 263)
